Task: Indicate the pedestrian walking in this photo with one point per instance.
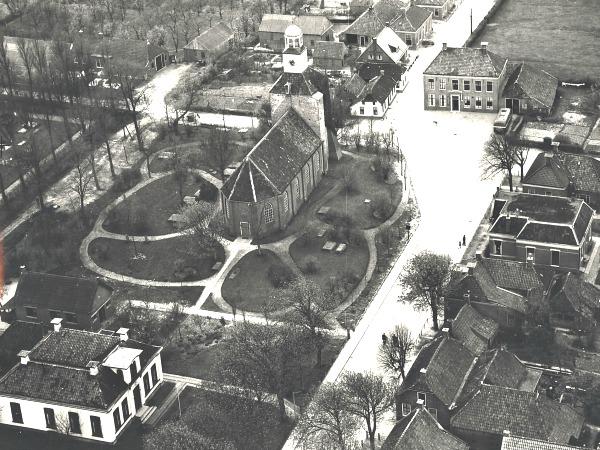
(464, 240)
(459, 244)
(384, 339)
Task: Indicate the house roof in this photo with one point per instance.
(431, 2)
(212, 38)
(18, 336)
(79, 295)
(467, 62)
(583, 297)
(311, 25)
(512, 275)
(494, 409)
(390, 43)
(561, 169)
(556, 220)
(410, 20)
(440, 368)
(374, 19)
(136, 52)
(528, 82)
(329, 50)
(355, 85)
(521, 443)
(57, 369)
(420, 431)
(274, 161)
(370, 70)
(379, 88)
(473, 329)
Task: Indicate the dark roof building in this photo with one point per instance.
(574, 303)
(410, 19)
(521, 443)
(534, 88)
(420, 431)
(475, 331)
(326, 53)
(18, 336)
(370, 70)
(467, 62)
(210, 44)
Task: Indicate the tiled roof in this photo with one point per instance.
(473, 329)
(467, 62)
(584, 171)
(444, 371)
(132, 51)
(583, 297)
(512, 275)
(61, 293)
(410, 20)
(18, 336)
(545, 208)
(420, 431)
(329, 50)
(372, 21)
(431, 2)
(521, 443)
(379, 88)
(529, 82)
(212, 38)
(389, 43)
(547, 170)
(277, 23)
(355, 85)
(494, 409)
(275, 160)
(371, 70)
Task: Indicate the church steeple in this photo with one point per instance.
(295, 55)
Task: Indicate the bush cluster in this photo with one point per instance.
(280, 275)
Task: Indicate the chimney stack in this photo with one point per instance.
(444, 47)
(381, 72)
(387, 24)
(24, 355)
(445, 331)
(471, 267)
(478, 255)
(467, 296)
(93, 366)
(484, 46)
(57, 324)
(123, 334)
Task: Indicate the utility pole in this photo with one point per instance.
(471, 20)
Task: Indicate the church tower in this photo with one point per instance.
(295, 55)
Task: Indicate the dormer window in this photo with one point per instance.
(422, 397)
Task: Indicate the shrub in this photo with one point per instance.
(208, 192)
(127, 179)
(280, 275)
(382, 207)
(311, 266)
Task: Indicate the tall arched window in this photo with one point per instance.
(268, 213)
(318, 163)
(286, 202)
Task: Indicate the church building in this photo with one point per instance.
(279, 174)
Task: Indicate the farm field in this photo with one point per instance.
(558, 36)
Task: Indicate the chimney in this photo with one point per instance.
(421, 402)
(423, 370)
(382, 72)
(288, 88)
(548, 156)
(467, 296)
(555, 145)
(506, 433)
(445, 331)
(57, 324)
(478, 255)
(471, 267)
(93, 366)
(123, 334)
(387, 24)
(24, 355)
(484, 47)
(444, 47)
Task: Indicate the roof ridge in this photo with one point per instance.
(251, 180)
(409, 423)
(463, 382)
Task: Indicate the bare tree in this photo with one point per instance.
(203, 225)
(184, 96)
(219, 149)
(6, 68)
(498, 156)
(327, 423)
(30, 158)
(26, 57)
(424, 279)
(521, 152)
(80, 180)
(393, 354)
(368, 397)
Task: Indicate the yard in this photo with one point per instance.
(164, 260)
(558, 36)
(147, 211)
(251, 282)
(186, 296)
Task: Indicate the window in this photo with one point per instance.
(489, 86)
(555, 254)
(361, 111)
(375, 111)
(431, 99)
(50, 419)
(584, 197)
(467, 102)
(370, 56)
(442, 83)
(405, 409)
(312, 43)
(99, 64)
(477, 102)
(30, 311)
(547, 193)
(498, 247)
(286, 202)
(455, 85)
(54, 314)
(379, 57)
(71, 318)
(146, 384)
(74, 425)
(433, 412)
(530, 254)
(478, 85)
(125, 406)
(431, 83)
(15, 410)
(117, 419)
(154, 374)
(268, 216)
(422, 396)
(436, 12)
(408, 40)
(489, 103)
(467, 85)
(442, 101)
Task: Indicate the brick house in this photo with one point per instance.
(314, 28)
(543, 230)
(439, 8)
(79, 383)
(371, 98)
(530, 90)
(564, 175)
(470, 79)
(82, 303)
(329, 55)
(420, 430)
(386, 48)
(413, 24)
(210, 44)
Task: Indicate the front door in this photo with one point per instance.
(513, 104)
(363, 41)
(455, 106)
(245, 230)
(137, 398)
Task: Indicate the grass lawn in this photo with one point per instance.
(347, 268)
(247, 425)
(365, 186)
(148, 210)
(558, 36)
(251, 286)
(165, 260)
(186, 296)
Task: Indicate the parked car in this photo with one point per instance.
(502, 121)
